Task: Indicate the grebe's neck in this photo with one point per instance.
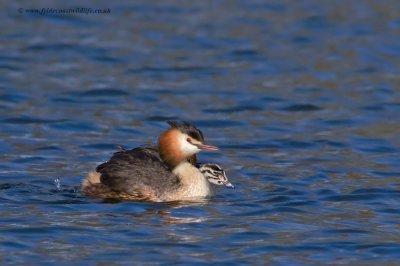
(168, 148)
(194, 184)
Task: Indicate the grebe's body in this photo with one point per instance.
(213, 173)
(166, 173)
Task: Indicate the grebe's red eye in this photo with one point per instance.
(189, 140)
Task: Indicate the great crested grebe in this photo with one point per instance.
(165, 173)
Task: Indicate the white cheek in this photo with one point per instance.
(187, 148)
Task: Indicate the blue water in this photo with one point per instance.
(302, 97)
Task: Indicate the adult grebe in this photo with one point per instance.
(164, 174)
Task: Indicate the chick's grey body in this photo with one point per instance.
(129, 171)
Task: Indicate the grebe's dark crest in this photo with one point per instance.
(187, 128)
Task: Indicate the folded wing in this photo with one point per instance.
(139, 171)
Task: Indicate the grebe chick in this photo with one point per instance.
(163, 174)
(215, 174)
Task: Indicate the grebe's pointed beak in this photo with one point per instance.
(206, 147)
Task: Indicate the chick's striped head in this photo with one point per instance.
(215, 174)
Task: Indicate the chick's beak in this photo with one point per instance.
(229, 185)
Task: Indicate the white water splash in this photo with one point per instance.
(57, 182)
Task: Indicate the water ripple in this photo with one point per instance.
(301, 108)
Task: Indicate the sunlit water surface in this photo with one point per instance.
(302, 98)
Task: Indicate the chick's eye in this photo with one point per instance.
(189, 140)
